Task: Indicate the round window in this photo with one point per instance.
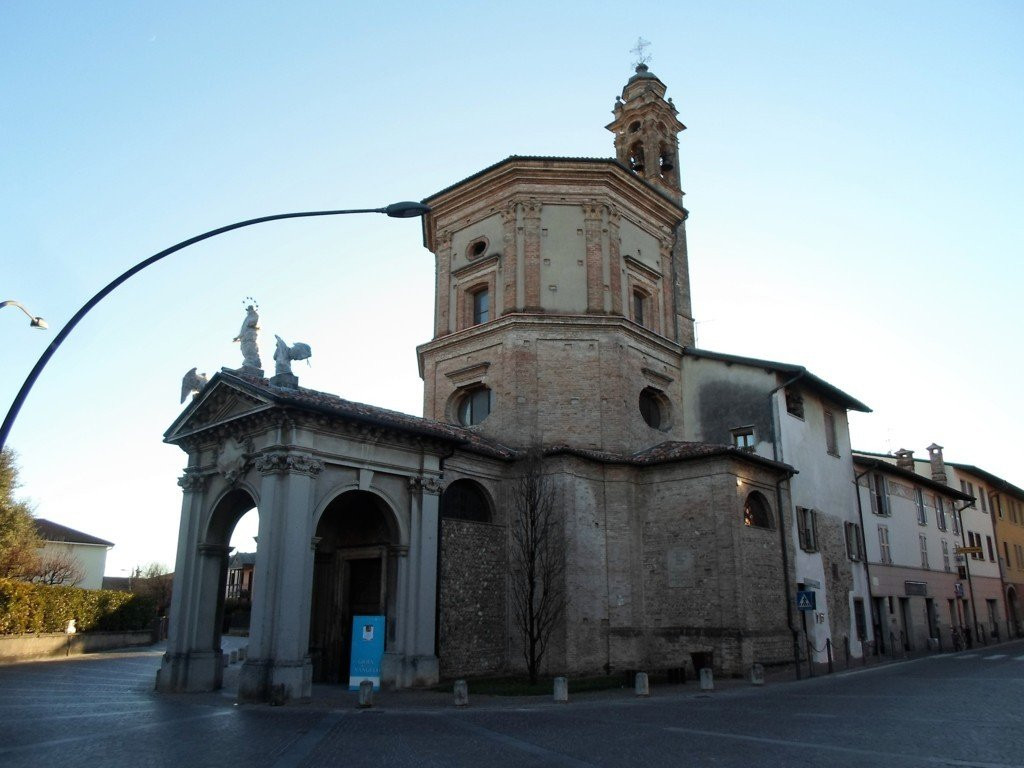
(651, 408)
(475, 406)
(477, 248)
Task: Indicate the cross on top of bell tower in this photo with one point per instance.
(646, 128)
(639, 50)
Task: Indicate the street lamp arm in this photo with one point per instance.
(395, 210)
(37, 322)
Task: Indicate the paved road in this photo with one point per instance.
(964, 709)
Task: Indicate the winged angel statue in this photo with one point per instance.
(192, 383)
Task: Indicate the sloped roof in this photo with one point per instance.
(242, 559)
(907, 474)
(829, 391)
(672, 451)
(324, 402)
(611, 161)
(995, 481)
(51, 531)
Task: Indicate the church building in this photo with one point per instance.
(560, 350)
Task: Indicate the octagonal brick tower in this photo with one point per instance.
(562, 297)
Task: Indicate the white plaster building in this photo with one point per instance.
(784, 412)
(88, 551)
(984, 609)
(911, 532)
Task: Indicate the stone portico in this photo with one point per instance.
(307, 463)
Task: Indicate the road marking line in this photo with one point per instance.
(558, 758)
(833, 748)
(995, 656)
(102, 736)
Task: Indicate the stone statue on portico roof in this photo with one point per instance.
(247, 337)
(283, 357)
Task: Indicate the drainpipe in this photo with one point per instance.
(867, 567)
(967, 560)
(782, 528)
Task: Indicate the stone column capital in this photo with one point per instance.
(192, 481)
(429, 485)
(286, 462)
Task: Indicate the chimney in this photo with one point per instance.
(938, 465)
(905, 459)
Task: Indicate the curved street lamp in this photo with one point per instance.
(403, 210)
(37, 322)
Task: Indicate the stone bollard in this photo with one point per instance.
(365, 694)
(642, 685)
(562, 689)
(757, 674)
(461, 691)
(707, 679)
(242, 652)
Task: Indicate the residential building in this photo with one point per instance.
(73, 552)
(983, 572)
(911, 536)
(239, 580)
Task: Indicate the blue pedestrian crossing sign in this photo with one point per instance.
(805, 600)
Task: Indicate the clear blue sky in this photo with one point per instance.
(853, 173)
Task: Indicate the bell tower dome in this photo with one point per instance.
(647, 132)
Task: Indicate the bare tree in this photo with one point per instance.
(153, 581)
(537, 560)
(59, 567)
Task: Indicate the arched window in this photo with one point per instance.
(474, 406)
(636, 157)
(756, 512)
(465, 500)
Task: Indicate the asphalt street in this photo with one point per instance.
(956, 709)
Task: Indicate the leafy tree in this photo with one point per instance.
(19, 541)
(537, 560)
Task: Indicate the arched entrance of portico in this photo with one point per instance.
(193, 661)
(355, 572)
(216, 544)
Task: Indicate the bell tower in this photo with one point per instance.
(646, 132)
(562, 301)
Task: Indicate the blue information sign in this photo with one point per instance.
(367, 651)
(805, 600)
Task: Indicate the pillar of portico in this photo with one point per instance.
(418, 581)
(278, 661)
(193, 660)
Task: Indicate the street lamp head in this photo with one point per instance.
(407, 210)
(37, 322)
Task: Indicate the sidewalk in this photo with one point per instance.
(338, 697)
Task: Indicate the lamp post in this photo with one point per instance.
(37, 322)
(403, 210)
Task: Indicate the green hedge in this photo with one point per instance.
(26, 607)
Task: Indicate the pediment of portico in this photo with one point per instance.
(219, 405)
